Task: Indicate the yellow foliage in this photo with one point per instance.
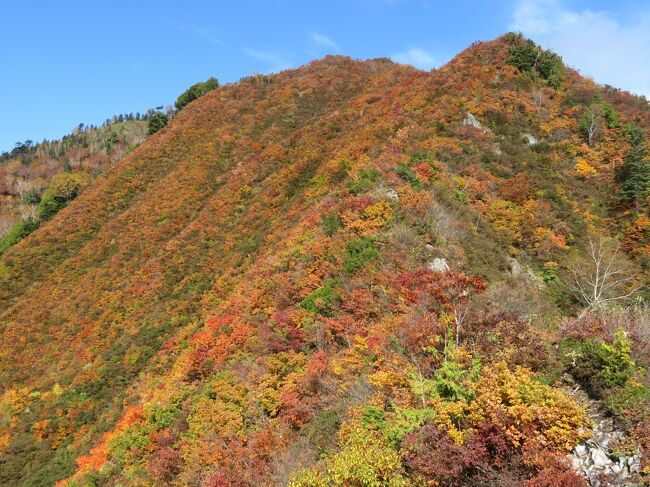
(527, 408)
(373, 218)
(584, 169)
(366, 459)
(506, 217)
(12, 403)
(393, 385)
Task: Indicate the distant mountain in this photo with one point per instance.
(351, 273)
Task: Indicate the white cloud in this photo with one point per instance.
(323, 41)
(595, 42)
(417, 57)
(273, 59)
(206, 34)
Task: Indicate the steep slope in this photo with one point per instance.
(261, 271)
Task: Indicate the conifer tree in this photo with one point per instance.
(635, 172)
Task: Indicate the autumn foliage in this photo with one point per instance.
(326, 277)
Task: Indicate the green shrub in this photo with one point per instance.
(195, 91)
(396, 424)
(321, 431)
(450, 380)
(358, 252)
(421, 156)
(406, 173)
(156, 121)
(330, 224)
(528, 58)
(551, 68)
(598, 365)
(365, 180)
(31, 197)
(17, 232)
(523, 56)
(63, 188)
(630, 397)
(320, 301)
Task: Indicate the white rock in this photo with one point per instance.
(439, 264)
(391, 194)
(516, 270)
(616, 468)
(472, 121)
(576, 463)
(580, 450)
(600, 458)
(603, 439)
(530, 139)
(592, 475)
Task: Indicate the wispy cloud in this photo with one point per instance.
(323, 41)
(204, 33)
(609, 49)
(417, 57)
(274, 60)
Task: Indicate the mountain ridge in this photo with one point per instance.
(267, 238)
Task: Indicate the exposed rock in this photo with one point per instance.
(594, 459)
(530, 139)
(515, 267)
(617, 468)
(438, 264)
(580, 451)
(387, 193)
(472, 121)
(600, 458)
(592, 476)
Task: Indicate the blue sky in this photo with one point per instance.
(65, 62)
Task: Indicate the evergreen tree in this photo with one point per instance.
(195, 91)
(635, 172)
(157, 121)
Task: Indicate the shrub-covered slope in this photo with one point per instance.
(335, 276)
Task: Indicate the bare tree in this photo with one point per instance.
(538, 98)
(592, 124)
(21, 186)
(5, 225)
(28, 211)
(605, 278)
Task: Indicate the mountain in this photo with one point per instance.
(350, 273)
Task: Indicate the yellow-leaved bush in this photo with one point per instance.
(366, 459)
(527, 408)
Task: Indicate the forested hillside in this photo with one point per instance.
(352, 273)
(56, 171)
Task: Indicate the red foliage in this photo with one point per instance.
(439, 290)
(487, 458)
(164, 464)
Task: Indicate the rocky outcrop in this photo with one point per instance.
(471, 121)
(530, 139)
(387, 193)
(439, 264)
(515, 267)
(596, 458)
